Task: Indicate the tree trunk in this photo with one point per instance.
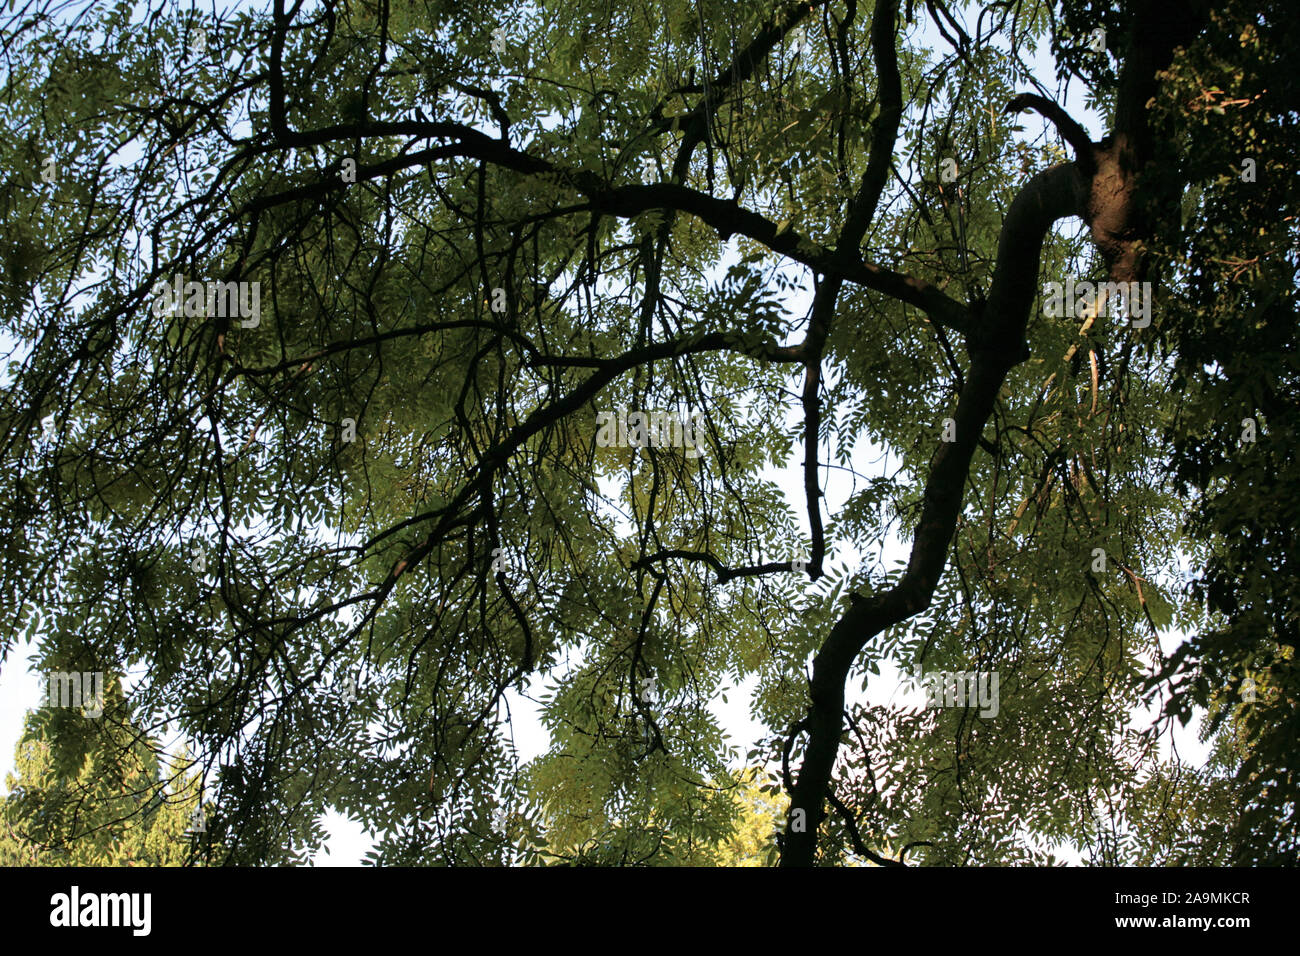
(1099, 187)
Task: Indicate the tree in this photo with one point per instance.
(1232, 341)
(375, 362)
(733, 821)
(94, 792)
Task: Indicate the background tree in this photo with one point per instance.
(335, 529)
(1231, 340)
(96, 792)
(735, 823)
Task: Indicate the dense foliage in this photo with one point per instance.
(334, 528)
(95, 793)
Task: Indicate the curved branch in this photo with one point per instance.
(855, 837)
(1065, 124)
(726, 216)
(1054, 194)
(724, 573)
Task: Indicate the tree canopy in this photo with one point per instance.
(372, 363)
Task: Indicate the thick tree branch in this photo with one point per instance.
(1065, 124)
(1051, 195)
(726, 216)
(724, 573)
(1101, 189)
